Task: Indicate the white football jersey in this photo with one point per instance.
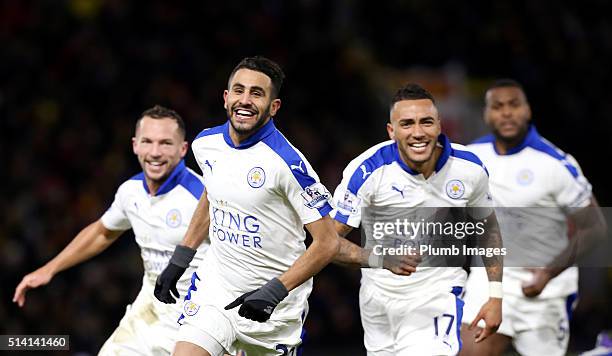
(539, 176)
(159, 222)
(378, 177)
(261, 195)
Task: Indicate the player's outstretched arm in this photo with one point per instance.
(196, 233)
(259, 304)
(324, 247)
(491, 311)
(591, 228)
(351, 254)
(89, 242)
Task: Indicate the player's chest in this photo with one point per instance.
(402, 189)
(240, 177)
(519, 182)
(158, 220)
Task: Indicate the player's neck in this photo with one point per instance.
(153, 186)
(503, 145)
(238, 138)
(425, 168)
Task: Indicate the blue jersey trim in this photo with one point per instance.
(459, 303)
(382, 157)
(387, 155)
(193, 185)
(279, 144)
(484, 139)
(173, 180)
(259, 135)
(179, 176)
(139, 176)
(534, 140)
(446, 151)
(212, 131)
(192, 287)
(570, 304)
(469, 156)
(544, 147)
(341, 218)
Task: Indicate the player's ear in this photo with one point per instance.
(134, 145)
(390, 131)
(184, 148)
(528, 112)
(225, 93)
(485, 117)
(274, 106)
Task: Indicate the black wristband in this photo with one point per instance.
(182, 256)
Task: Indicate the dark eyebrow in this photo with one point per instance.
(258, 88)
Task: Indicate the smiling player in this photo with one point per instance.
(157, 204)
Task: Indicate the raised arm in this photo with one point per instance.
(89, 242)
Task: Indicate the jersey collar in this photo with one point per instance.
(172, 181)
(446, 152)
(262, 133)
(531, 138)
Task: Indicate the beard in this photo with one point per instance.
(244, 131)
(511, 139)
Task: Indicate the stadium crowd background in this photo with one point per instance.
(75, 75)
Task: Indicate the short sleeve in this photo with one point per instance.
(306, 194)
(349, 195)
(115, 218)
(480, 203)
(571, 189)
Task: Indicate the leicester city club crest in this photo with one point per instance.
(190, 308)
(173, 218)
(256, 177)
(455, 189)
(524, 177)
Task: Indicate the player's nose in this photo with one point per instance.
(155, 150)
(245, 98)
(506, 112)
(417, 131)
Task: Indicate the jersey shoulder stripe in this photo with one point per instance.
(545, 146)
(384, 154)
(192, 184)
(484, 139)
(139, 176)
(468, 156)
(295, 162)
(211, 131)
(281, 146)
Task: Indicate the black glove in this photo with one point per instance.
(259, 304)
(166, 281)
